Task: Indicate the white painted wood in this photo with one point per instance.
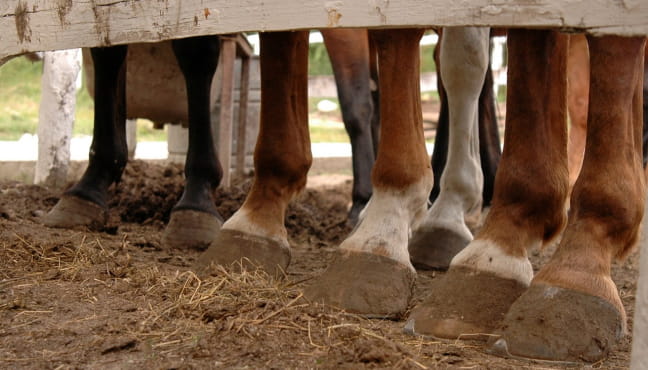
(131, 137)
(56, 116)
(226, 63)
(36, 25)
(640, 327)
(177, 143)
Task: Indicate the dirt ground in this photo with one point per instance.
(116, 299)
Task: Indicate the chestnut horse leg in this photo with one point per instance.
(487, 276)
(256, 233)
(572, 311)
(372, 274)
(578, 73)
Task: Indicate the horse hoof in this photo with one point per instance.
(364, 283)
(464, 304)
(556, 324)
(433, 248)
(191, 229)
(232, 248)
(72, 211)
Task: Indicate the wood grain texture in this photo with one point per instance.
(36, 25)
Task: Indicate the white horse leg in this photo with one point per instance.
(464, 61)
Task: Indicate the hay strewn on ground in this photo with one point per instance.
(116, 299)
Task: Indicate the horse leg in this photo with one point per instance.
(490, 150)
(282, 157)
(487, 276)
(645, 110)
(578, 72)
(375, 95)
(372, 274)
(572, 311)
(489, 142)
(194, 220)
(464, 61)
(85, 204)
(348, 50)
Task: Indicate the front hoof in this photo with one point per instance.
(556, 324)
(433, 248)
(364, 283)
(72, 211)
(464, 303)
(191, 229)
(245, 251)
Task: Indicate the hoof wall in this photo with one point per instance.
(72, 211)
(556, 324)
(366, 284)
(234, 248)
(188, 229)
(434, 248)
(464, 304)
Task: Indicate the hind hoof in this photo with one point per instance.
(191, 229)
(464, 304)
(244, 251)
(434, 248)
(72, 211)
(364, 283)
(556, 324)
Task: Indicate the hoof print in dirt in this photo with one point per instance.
(464, 304)
(72, 211)
(556, 324)
(433, 248)
(188, 229)
(244, 251)
(364, 283)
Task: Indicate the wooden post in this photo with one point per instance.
(228, 55)
(56, 116)
(243, 113)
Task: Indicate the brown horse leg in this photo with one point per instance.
(578, 72)
(372, 273)
(487, 276)
(572, 311)
(282, 157)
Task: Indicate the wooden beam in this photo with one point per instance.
(37, 25)
(228, 56)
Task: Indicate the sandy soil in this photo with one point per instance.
(115, 298)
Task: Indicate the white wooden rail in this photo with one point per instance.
(37, 25)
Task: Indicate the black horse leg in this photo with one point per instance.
(441, 140)
(86, 202)
(490, 150)
(194, 220)
(349, 53)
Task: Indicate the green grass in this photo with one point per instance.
(20, 93)
(20, 96)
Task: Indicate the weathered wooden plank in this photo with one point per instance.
(36, 25)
